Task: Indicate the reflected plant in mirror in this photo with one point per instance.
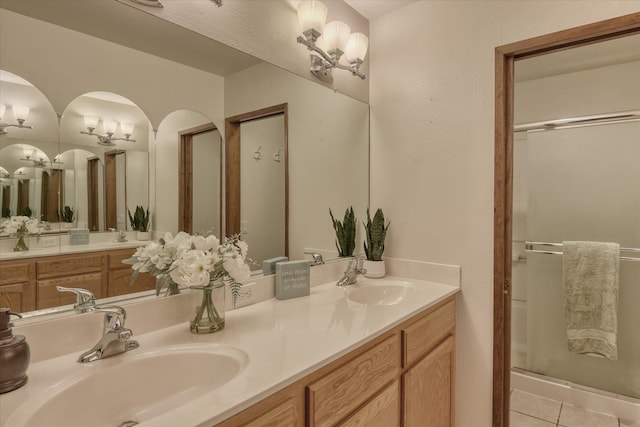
(345, 232)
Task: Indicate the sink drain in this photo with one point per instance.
(128, 424)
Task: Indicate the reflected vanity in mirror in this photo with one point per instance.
(319, 159)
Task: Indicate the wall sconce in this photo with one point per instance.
(337, 39)
(38, 161)
(20, 113)
(110, 127)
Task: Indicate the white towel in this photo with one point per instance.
(590, 277)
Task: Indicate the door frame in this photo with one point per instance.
(505, 56)
(232, 167)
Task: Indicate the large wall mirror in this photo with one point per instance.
(567, 170)
(164, 91)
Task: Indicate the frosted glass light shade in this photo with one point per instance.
(127, 128)
(336, 36)
(2, 110)
(312, 15)
(110, 126)
(91, 121)
(28, 152)
(20, 112)
(357, 47)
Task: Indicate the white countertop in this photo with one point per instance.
(284, 341)
(35, 252)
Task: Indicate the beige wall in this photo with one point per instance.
(266, 29)
(432, 100)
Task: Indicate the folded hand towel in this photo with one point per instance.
(590, 276)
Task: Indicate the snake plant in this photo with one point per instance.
(67, 214)
(140, 219)
(345, 233)
(375, 233)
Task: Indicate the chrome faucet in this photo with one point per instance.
(316, 258)
(351, 273)
(84, 298)
(115, 339)
(120, 237)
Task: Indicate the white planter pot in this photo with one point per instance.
(142, 235)
(67, 225)
(375, 269)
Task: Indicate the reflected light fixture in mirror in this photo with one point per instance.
(110, 127)
(19, 112)
(336, 38)
(38, 157)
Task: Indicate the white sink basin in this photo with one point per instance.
(380, 291)
(137, 387)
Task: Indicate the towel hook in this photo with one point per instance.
(257, 155)
(276, 155)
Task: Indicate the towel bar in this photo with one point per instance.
(529, 249)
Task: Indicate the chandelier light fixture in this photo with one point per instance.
(110, 127)
(19, 112)
(328, 42)
(35, 156)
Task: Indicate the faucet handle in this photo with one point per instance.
(114, 316)
(84, 297)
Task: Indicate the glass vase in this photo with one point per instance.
(209, 314)
(22, 244)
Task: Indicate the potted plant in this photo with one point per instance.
(345, 233)
(67, 216)
(375, 233)
(140, 222)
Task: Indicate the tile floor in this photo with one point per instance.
(530, 410)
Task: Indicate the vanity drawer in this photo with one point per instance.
(49, 296)
(119, 282)
(16, 272)
(335, 395)
(116, 258)
(424, 335)
(71, 264)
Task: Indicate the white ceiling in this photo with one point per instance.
(371, 9)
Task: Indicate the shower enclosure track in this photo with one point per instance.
(529, 249)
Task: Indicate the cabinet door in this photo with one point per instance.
(338, 393)
(119, 282)
(18, 285)
(287, 414)
(382, 411)
(428, 389)
(19, 297)
(48, 295)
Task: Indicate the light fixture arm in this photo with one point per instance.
(108, 138)
(326, 61)
(20, 125)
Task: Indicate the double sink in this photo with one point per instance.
(141, 385)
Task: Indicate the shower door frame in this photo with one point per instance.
(505, 56)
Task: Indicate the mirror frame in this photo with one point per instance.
(232, 167)
(185, 177)
(505, 56)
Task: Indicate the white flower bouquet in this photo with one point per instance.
(21, 224)
(192, 260)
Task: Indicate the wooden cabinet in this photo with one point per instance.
(18, 285)
(403, 378)
(428, 389)
(120, 275)
(87, 270)
(381, 411)
(340, 392)
(428, 382)
(30, 284)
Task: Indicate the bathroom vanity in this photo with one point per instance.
(403, 377)
(29, 283)
(378, 353)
